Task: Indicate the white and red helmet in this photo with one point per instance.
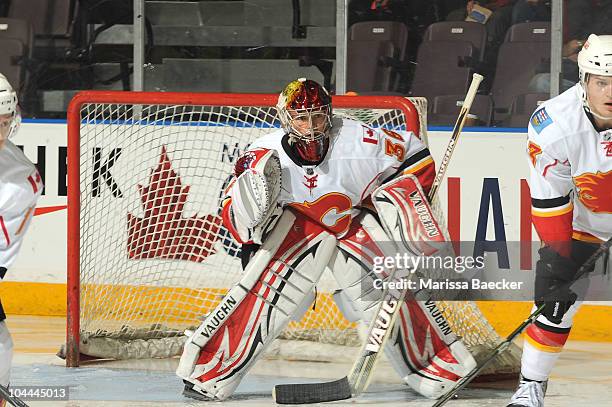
(595, 58)
(8, 104)
(306, 99)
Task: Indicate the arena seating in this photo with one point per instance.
(374, 49)
(525, 51)
(16, 44)
(445, 110)
(447, 57)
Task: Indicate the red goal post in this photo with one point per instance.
(76, 118)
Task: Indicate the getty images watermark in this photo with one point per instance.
(470, 270)
(410, 262)
(442, 268)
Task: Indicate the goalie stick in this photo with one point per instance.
(5, 394)
(360, 375)
(603, 248)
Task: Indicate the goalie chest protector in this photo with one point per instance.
(359, 160)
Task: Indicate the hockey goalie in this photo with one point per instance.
(310, 196)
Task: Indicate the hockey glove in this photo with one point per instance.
(554, 276)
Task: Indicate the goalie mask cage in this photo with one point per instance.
(147, 253)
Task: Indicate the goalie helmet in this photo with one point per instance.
(8, 106)
(305, 111)
(595, 58)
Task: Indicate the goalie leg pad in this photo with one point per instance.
(422, 348)
(353, 266)
(6, 354)
(254, 312)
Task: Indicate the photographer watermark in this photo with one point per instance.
(498, 271)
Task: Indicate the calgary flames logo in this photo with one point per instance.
(595, 191)
(534, 150)
(331, 210)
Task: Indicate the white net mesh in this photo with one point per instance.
(154, 257)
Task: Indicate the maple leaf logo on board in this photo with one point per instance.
(162, 232)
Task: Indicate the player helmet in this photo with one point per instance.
(8, 105)
(595, 58)
(305, 111)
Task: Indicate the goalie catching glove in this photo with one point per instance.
(252, 195)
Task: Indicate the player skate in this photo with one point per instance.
(529, 394)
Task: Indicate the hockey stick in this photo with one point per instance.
(465, 109)
(603, 248)
(360, 375)
(13, 400)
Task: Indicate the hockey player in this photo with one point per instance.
(296, 204)
(570, 158)
(20, 187)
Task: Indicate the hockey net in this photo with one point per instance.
(148, 255)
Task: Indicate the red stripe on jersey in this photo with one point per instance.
(549, 166)
(367, 189)
(33, 183)
(547, 338)
(555, 231)
(6, 234)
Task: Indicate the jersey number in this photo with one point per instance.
(393, 149)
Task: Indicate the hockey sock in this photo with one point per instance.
(541, 351)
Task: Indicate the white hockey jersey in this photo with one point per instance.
(20, 187)
(570, 171)
(359, 159)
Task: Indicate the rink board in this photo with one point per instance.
(40, 271)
